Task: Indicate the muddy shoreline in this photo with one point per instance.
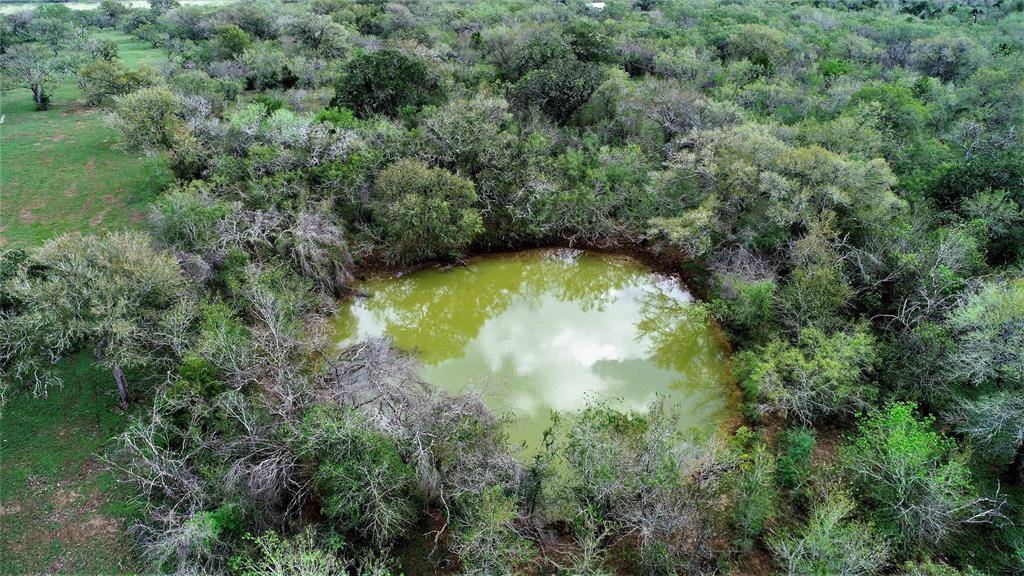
(667, 262)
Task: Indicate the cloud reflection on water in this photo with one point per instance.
(535, 334)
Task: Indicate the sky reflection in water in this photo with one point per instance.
(552, 330)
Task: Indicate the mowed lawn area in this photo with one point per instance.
(60, 509)
(60, 169)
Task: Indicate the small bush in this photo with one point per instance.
(795, 462)
(831, 542)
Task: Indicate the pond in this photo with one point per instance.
(551, 330)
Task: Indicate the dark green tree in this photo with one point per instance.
(558, 89)
(384, 82)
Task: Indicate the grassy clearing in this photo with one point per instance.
(60, 170)
(60, 511)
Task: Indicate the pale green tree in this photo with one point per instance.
(107, 295)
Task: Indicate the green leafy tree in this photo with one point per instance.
(159, 7)
(385, 82)
(588, 41)
(33, 67)
(604, 192)
(113, 9)
(485, 535)
(425, 212)
(989, 331)
(531, 49)
(794, 466)
(216, 91)
(760, 190)
(231, 40)
(319, 34)
(947, 58)
(988, 357)
(914, 481)
(747, 305)
(147, 118)
(185, 218)
(817, 291)
(100, 79)
(763, 45)
(364, 484)
(757, 500)
(266, 66)
(101, 48)
(831, 542)
(641, 480)
(558, 89)
(304, 553)
(53, 26)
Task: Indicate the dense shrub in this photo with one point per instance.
(758, 491)
(824, 376)
(635, 476)
(794, 466)
(842, 181)
(425, 212)
(831, 542)
(216, 91)
(914, 481)
(100, 79)
(365, 486)
(385, 82)
(147, 118)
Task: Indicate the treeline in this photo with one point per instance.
(843, 180)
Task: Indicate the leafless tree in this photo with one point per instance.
(667, 493)
(381, 382)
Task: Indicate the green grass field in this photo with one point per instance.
(60, 171)
(60, 510)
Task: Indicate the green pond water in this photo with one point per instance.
(551, 330)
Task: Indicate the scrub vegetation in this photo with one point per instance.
(62, 170)
(841, 181)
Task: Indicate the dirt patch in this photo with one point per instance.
(26, 215)
(90, 201)
(98, 219)
(109, 201)
(826, 448)
(757, 562)
(90, 166)
(97, 527)
(63, 499)
(9, 509)
(71, 191)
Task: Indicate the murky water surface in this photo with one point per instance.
(551, 330)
